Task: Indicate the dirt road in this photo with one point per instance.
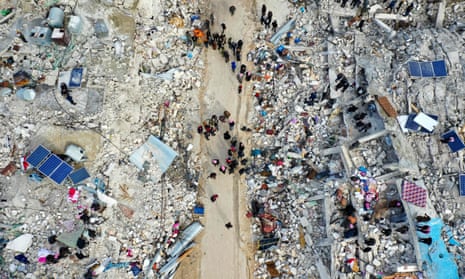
(226, 253)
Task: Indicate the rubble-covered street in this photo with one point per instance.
(232, 139)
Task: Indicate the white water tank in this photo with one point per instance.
(76, 153)
(56, 17)
(74, 25)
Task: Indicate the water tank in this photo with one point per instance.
(55, 17)
(74, 24)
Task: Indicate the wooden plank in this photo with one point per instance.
(386, 105)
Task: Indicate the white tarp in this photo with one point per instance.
(156, 151)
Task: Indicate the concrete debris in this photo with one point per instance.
(337, 130)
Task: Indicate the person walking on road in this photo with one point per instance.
(214, 197)
(228, 225)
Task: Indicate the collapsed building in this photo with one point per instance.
(344, 167)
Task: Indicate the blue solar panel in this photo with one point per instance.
(79, 175)
(414, 69)
(38, 155)
(457, 143)
(50, 165)
(60, 174)
(462, 185)
(428, 69)
(440, 69)
(412, 125)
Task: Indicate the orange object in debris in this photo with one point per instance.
(198, 33)
(9, 170)
(387, 106)
(352, 219)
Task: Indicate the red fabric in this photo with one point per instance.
(73, 195)
(25, 164)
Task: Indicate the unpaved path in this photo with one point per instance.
(225, 253)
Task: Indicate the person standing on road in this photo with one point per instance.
(214, 197)
(228, 225)
(223, 28)
(233, 66)
(232, 9)
(231, 124)
(223, 169)
(274, 26)
(263, 16)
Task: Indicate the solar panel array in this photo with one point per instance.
(428, 69)
(54, 167)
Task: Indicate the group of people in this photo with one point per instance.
(267, 19)
(209, 126)
(359, 116)
(393, 7)
(235, 153)
(353, 4)
(424, 229)
(342, 82)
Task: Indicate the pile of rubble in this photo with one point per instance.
(318, 121)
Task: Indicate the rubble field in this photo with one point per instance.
(232, 139)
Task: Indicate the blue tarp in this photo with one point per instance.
(76, 77)
(199, 210)
(437, 262)
(256, 152)
(156, 150)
